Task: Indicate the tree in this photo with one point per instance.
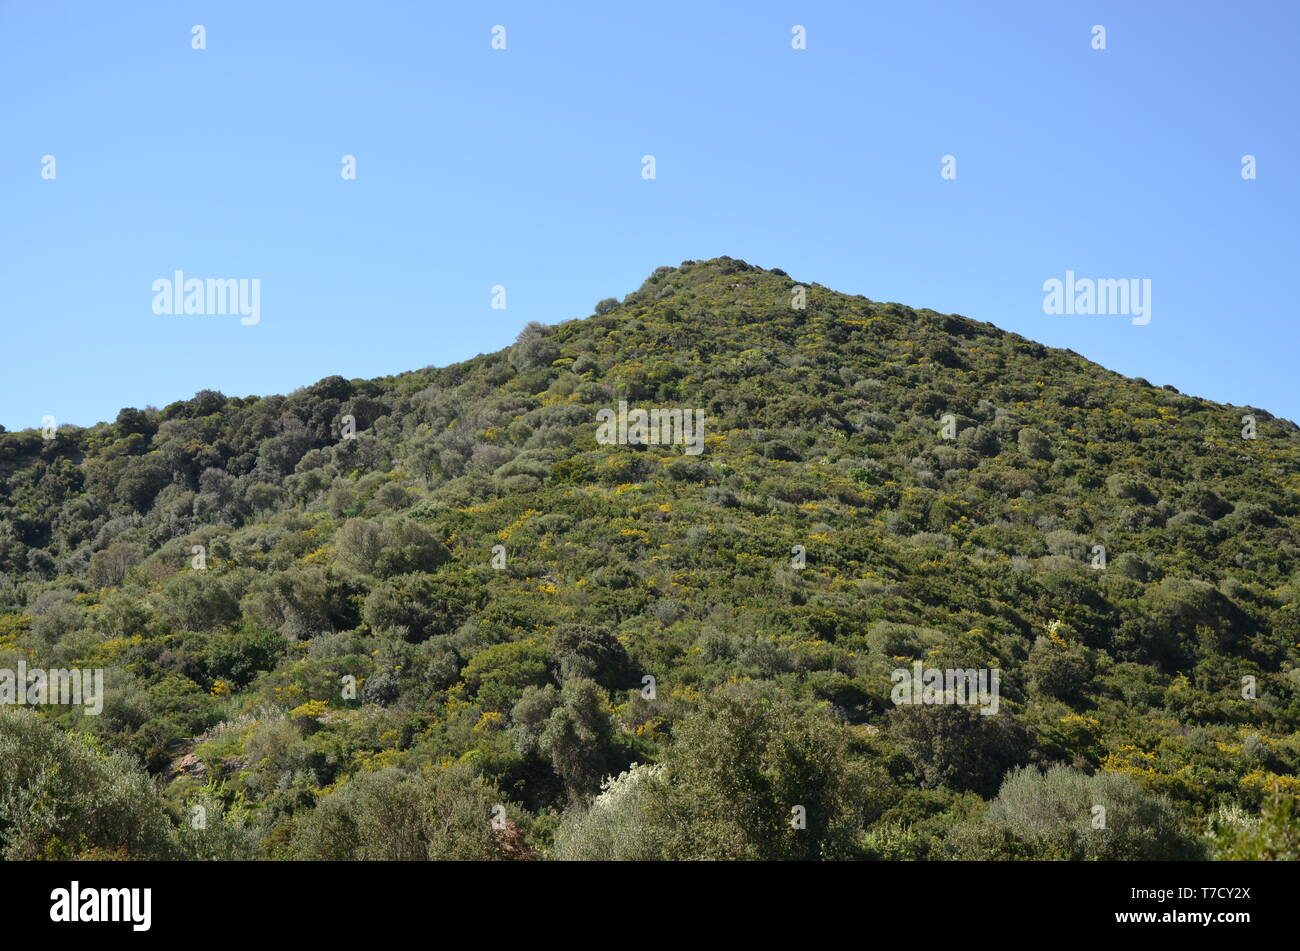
(956, 746)
(579, 738)
(108, 567)
(739, 769)
(533, 348)
(1057, 670)
(582, 650)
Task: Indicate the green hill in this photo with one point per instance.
(431, 615)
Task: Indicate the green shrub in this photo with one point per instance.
(442, 814)
(1065, 814)
(62, 798)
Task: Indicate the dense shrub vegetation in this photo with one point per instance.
(430, 616)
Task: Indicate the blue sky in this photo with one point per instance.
(522, 167)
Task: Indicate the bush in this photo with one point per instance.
(980, 440)
(198, 601)
(1272, 836)
(615, 828)
(533, 349)
(955, 746)
(1034, 444)
(1136, 566)
(391, 547)
(418, 606)
(580, 737)
(108, 567)
(1067, 544)
(443, 814)
(238, 656)
(901, 640)
(61, 798)
(1058, 671)
(213, 833)
(496, 676)
(581, 650)
(1130, 487)
(1053, 816)
(739, 767)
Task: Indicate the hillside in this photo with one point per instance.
(414, 617)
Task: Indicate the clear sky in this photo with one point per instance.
(522, 167)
